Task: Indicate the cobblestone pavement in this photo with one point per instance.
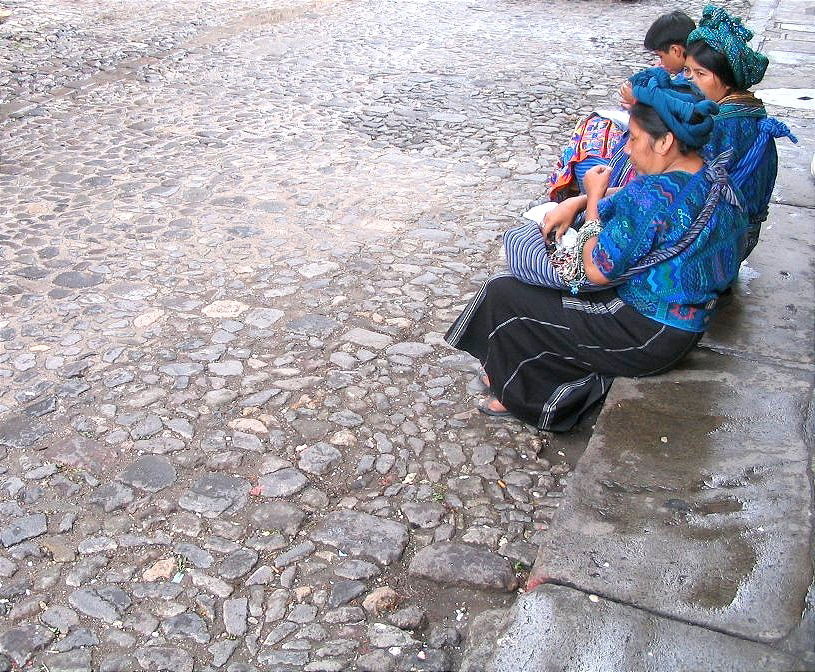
(232, 235)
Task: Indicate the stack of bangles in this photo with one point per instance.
(569, 263)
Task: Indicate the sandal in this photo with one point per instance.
(484, 407)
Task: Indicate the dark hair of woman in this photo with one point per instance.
(648, 119)
(712, 60)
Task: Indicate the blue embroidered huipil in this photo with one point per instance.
(737, 128)
(652, 212)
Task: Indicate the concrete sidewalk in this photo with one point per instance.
(685, 538)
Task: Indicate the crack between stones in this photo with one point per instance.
(788, 204)
(760, 359)
(670, 617)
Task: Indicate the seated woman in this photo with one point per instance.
(549, 355)
(723, 66)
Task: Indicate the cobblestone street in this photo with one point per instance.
(232, 235)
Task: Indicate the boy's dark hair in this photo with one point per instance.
(713, 60)
(668, 29)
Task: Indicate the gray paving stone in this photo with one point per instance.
(244, 441)
(219, 398)
(118, 663)
(160, 445)
(343, 592)
(236, 612)
(294, 554)
(311, 429)
(423, 514)
(107, 603)
(79, 638)
(302, 613)
(238, 563)
(356, 569)
(214, 494)
(72, 661)
(59, 617)
(186, 626)
(182, 369)
(384, 636)
(149, 472)
(18, 431)
(346, 418)
(409, 618)
(376, 661)
(462, 565)
(279, 633)
(21, 643)
(75, 369)
(362, 536)
(78, 280)
(410, 349)
(23, 528)
(278, 516)
(367, 338)
(319, 459)
(86, 569)
(112, 496)
(318, 325)
(283, 660)
(282, 483)
(164, 659)
(344, 615)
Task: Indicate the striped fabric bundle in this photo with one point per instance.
(528, 259)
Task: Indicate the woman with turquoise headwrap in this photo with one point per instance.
(723, 66)
(663, 247)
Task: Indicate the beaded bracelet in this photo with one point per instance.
(570, 266)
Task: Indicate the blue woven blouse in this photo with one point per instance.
(652, 212)
(739, 133)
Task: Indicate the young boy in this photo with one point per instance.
(667, 37)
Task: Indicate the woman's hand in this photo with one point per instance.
(595, 182)
(560, 218)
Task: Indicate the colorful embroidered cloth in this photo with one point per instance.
(653, 212)
(593, 138)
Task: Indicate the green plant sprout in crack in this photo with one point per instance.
(439, 492)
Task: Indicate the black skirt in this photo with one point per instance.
(550, 355)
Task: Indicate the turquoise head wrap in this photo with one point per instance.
(681, 108)
(726, 34)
